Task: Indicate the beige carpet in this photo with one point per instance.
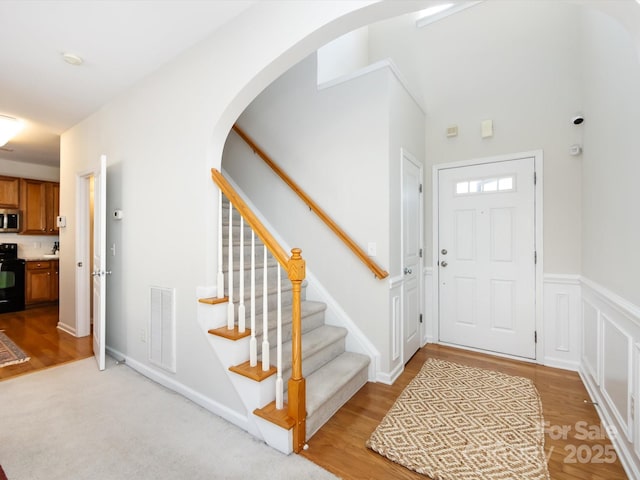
(454, 422)
(10, 353)
(73, 422)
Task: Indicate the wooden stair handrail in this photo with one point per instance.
(296, 270)
(346, 239)
(261, 231)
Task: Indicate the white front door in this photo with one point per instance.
(486, 256)
(99, 263)
(411, 253)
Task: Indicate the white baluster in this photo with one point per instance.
(220, 274)
(253, 343)
(279, 383)
(265, 316)
(230, 309)
(241, 314)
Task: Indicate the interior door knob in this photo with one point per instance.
(443, 263)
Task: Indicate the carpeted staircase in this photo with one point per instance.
(332, 374)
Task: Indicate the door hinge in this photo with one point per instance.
(535, 258)
(420, 253)
(420, 188)
(535, 337)
(535, 178)
(420, 318)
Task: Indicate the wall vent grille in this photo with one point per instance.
(162, 328)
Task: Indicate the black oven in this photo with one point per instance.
(11, 279)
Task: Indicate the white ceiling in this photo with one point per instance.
(121, 41)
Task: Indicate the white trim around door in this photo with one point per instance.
(537, 155)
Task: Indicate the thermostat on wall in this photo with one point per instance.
(118, 214)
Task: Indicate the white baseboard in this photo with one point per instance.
(624, 455)
(214, 407)
(391, 377)
(66, 328)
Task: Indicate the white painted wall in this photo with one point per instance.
(524, 75)
(322, 139)
(12, 168)
(161, 137)
(611, 230)
(344, 55)
(342, 146)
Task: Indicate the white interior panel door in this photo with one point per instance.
(411, 251)
(99, 263)
(486, 253)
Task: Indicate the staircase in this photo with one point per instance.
(332, 374)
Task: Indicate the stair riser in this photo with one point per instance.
(272, 272)
(311, 363)
(333, 404)
(271, 299)
(236, 230)
(309, 322)
(246, 253)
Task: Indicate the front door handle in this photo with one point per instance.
(443, 263)
(407, 271)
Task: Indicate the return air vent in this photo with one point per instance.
(162, 329)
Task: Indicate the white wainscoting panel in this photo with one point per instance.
(616, 372)
(562, 328)
(395, 329)
(636, 396)
(591, 333)
(610, 367)
(428, 327)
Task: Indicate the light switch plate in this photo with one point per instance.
(487, 128)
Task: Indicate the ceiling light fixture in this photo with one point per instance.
(438, 12)
(9, 128)
(429, 12)
(72, 59)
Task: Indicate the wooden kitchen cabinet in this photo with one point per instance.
(40, 204)
(9, 192)
(41, 282)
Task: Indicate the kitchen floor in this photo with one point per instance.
(34, 331)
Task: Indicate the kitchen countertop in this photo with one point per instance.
(40, 258)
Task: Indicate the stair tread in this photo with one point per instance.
(327, 380)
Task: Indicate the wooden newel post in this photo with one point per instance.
(297, 397)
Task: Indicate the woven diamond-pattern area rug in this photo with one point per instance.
(10, 353)
(454, 422)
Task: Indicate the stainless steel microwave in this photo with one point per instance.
(9, 220)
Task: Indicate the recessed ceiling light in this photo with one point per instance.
(72, 59)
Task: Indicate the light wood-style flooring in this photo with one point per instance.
(339, 446)
(34, 331)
